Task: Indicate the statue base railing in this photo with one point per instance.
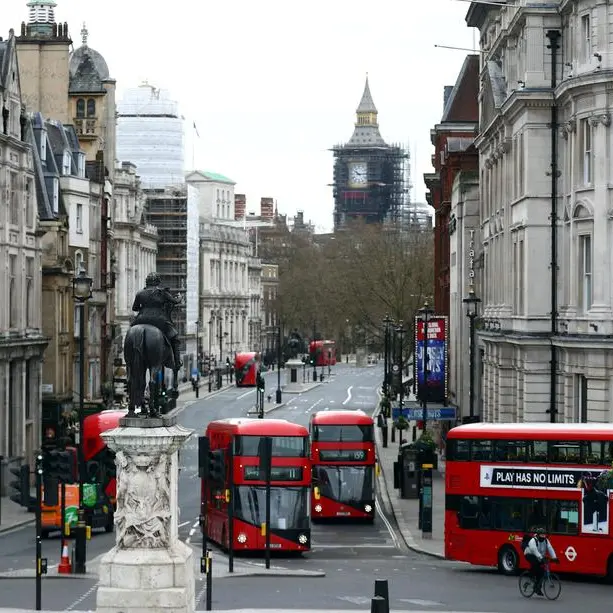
(149, 569)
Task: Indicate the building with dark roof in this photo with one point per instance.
(369, 174)
(22, 340)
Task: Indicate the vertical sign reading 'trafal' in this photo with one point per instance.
(432, 388)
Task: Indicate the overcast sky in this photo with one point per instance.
(272, 85)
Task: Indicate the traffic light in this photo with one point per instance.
(21, 485)
(217, 466)
(59, 465)
(203, 457)
(259, 381)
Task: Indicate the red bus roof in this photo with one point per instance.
(93, 425)
(341, 417)
(536, 431)
(246, 426)
(245, 356)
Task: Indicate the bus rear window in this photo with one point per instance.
(343, 434)
(282, 446)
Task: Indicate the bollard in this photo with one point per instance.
(378, 605)
(382, 591)
(80, 567)
(393, 434)
(384, 431)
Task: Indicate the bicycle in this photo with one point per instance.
(551, 585)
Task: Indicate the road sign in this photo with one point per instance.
(433, 414)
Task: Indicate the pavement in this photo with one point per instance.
(406, 511)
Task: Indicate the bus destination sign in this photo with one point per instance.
(557, 478)
(342, 455)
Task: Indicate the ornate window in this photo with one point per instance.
(586, 151)
(29, 292)
(91, 108)
(80, 108)
(13, 292)
(14, 198)
(583, 227)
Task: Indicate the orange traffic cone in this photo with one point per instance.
(64, 567)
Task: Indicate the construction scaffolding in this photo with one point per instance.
(166, 209)
(384, 193)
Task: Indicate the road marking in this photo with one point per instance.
(314, 405)
(360, 546)
(79, 600)
(421, 603)
(183, 524)
(348, 399)
(387, 524)
(245, 394)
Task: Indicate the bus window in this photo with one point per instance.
(282, 446)
(482, 451)
(591, 452)
(565, 452)
(537, 451)
(469, 512)
(508, 514)
(537, 515)
(608, 453)
(458, 449)
(510, 451)
(344, 434)
(563, 516)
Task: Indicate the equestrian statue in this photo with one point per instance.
(151, 344)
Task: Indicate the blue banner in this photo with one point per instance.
(433, 414)
(434, 387)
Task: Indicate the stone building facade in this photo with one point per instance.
(22, 341)
(545, 210)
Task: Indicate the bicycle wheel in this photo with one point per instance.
(526, 584)
(552, 587)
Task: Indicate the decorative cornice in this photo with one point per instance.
(603, 118)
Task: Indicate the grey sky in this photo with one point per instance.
(271, 84)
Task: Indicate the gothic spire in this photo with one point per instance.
(366, 103)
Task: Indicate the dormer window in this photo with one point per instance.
(81, 165)
(66, 165)
(80, 108)
(91, 108)
(56, 195)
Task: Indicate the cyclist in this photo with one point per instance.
(538, 547)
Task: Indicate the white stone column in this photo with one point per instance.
(149, 569)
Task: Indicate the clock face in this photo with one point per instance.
(358, 174)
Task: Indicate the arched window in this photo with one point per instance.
(91, 108)
(80, 108)
(78, 262)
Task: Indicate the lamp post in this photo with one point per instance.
(400, 332)
(386, 343)
(198, 352)
(210, 349)
(314, 354)
(81, 293)
(425, 313)
(472, 306)
(278, 394)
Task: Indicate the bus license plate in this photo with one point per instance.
(343, 513)
(275, 545)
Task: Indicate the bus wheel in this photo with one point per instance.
(508, 562)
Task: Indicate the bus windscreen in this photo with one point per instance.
(343, 434)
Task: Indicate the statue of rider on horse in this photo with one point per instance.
(151, 343)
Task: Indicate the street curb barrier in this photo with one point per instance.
(307, 574)
(405, 531)
(16, 526)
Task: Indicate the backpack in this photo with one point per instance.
(525, 542)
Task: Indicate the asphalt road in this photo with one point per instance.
(351, 556)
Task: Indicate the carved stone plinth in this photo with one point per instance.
(149, 569)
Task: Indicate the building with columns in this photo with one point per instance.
(22, 341)
(225, 260)
(134, 245)
(545, 215)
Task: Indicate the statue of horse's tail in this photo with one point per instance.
(137, 365)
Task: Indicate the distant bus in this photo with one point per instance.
(323, 352)
(246, 368)
(343, 456)
(503, 481)
(238, 443)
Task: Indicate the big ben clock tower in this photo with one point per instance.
(368, 173)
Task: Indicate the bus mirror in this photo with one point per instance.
(316, 493)
(227, 495)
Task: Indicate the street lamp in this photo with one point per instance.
(81, 293)
(400, 332)
(314, 354)
(472, 307)
(278, 394)
(386, 343)
(425, 313)
(210, 349)
(198, 352)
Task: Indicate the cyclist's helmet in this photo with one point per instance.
(540, 534)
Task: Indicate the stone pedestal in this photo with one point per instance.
(149, 569)
(293, 378)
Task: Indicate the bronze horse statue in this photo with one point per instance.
(146, 349)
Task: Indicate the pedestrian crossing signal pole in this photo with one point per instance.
(206, 561)
(41, 563)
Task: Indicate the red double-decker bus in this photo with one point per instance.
(343, 456)
(503, 481)
(239, 443)
(246, 368)
(323, 352)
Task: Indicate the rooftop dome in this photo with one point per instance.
(87, 68)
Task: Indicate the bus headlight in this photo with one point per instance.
(367, 508)
(303, 539)
(318, 508)
(241, 538)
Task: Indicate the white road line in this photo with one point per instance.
(314, 405)
(348, 399)
(79, 600)
(196, 523)
(183, 524)
(349, 546)
(387, 524)
(245, 394)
